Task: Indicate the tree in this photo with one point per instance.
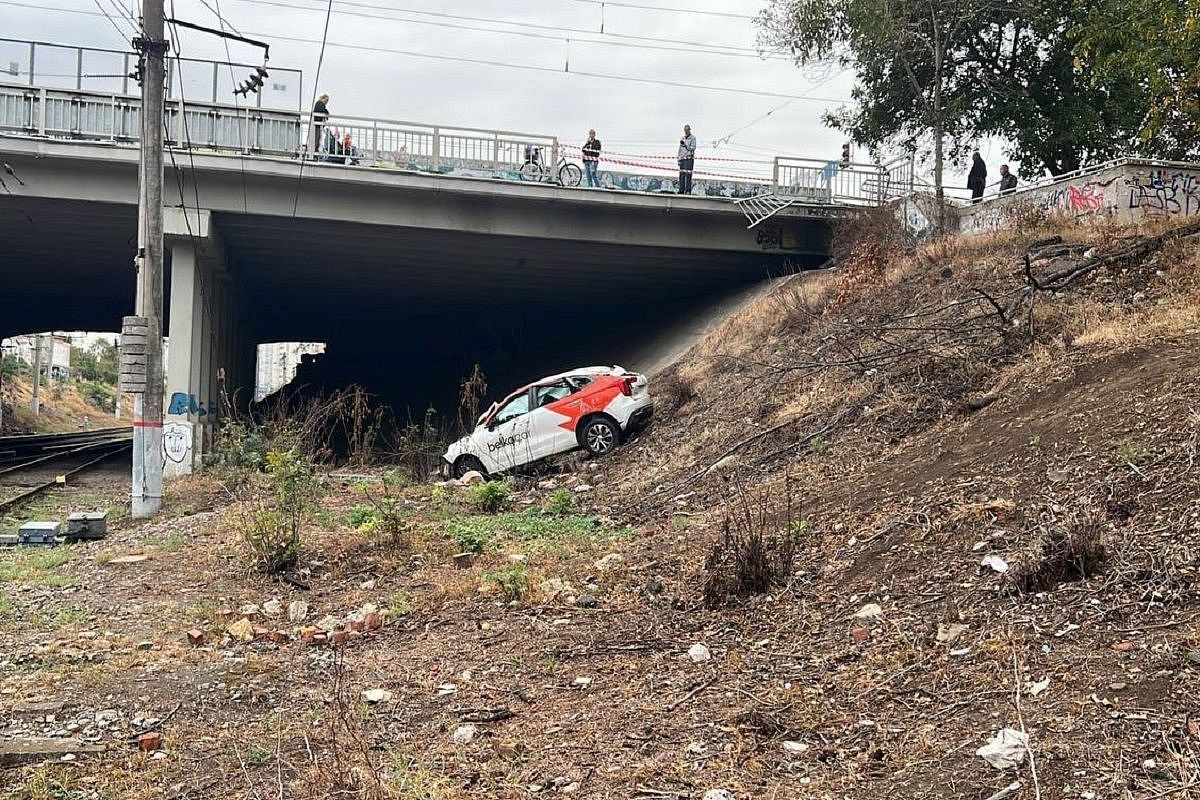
(1154, 44)
(1026, 82)
(904, 53)
(97, 363)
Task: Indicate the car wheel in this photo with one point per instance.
(600, 436)
(468, 464)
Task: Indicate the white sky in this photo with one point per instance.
(629, 117)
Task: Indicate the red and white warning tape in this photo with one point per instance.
(604, 159)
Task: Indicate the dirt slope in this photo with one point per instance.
(907, 426)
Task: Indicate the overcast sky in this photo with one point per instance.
(630, 117)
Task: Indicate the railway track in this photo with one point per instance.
(30, 465)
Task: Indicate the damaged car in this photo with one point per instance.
(593, 408)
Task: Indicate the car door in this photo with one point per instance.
(506, 440)
(551, 430)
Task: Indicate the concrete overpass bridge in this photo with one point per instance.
(412, 272)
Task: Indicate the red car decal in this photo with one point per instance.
(595, 397)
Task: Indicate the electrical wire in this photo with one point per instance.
(642, 7)
(487, 62)
(555, 70)
(707, 48)
(237, 105)
(108, 17)
(304, 156)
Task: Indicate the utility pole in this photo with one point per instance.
(148, 406)
(35, 404)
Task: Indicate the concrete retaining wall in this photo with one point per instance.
(1127, 192)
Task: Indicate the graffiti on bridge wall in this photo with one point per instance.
(1158, 193)
(1130, 194)
(184, 403)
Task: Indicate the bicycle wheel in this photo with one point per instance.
(570, 175)
(531, 171)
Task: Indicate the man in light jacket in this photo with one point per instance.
(687, 160)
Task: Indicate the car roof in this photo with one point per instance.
(574, 372)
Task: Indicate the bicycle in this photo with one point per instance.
(535, 168)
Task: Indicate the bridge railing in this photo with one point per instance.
(413, 145)
(99, 116)
(55, 66)
(846, 183)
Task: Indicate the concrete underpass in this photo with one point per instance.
(411, 280)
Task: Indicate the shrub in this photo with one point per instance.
(491, 497)
(273, 526)
(1066, 555)
(560, 503)
(672, 392)
(98, 394)
(755, 552)
(513, 579)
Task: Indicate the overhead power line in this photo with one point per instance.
(670, 45)
(490, 63)
(553, 70)
(643, 7)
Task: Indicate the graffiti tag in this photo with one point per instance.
(1160, 194)
(183, 403)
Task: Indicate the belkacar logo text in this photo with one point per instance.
(507, 441)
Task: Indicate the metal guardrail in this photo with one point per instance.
(412, 145)
(843, 183)
(98, 116)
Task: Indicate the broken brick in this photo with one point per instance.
(279, 637)
(195, 636)
(1124, 647)
(373, 620)
(150, 740)
(339, 637)
(261, 632)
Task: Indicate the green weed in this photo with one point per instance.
(491, 497)
(513, 579)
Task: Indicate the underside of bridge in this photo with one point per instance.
(405, 312)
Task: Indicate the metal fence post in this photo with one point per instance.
(32, 50)
(437, 149)
(775, 175)
(375, 140)
(79, 68)
(41, 112)
(495, 152)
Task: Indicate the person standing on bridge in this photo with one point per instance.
(977, 178)
(687, 160)
(591, 159)
(320, 114)
(1008, 181)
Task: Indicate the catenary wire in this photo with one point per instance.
(304, 156)
(703, 47)
(643, 7)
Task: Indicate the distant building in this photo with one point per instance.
(277, 363)
(56, 352)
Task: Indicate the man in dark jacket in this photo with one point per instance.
(320, 114)
(591, 159)
(977, 178)
(1008, 181)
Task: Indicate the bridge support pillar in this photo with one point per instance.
(199, 338)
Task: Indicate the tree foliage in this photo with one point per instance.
(97, 363)
(1066, 82)
(1155, 46)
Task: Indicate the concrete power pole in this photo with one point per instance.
(148, 407)
(35, 404)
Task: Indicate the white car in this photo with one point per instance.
(592, 407)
